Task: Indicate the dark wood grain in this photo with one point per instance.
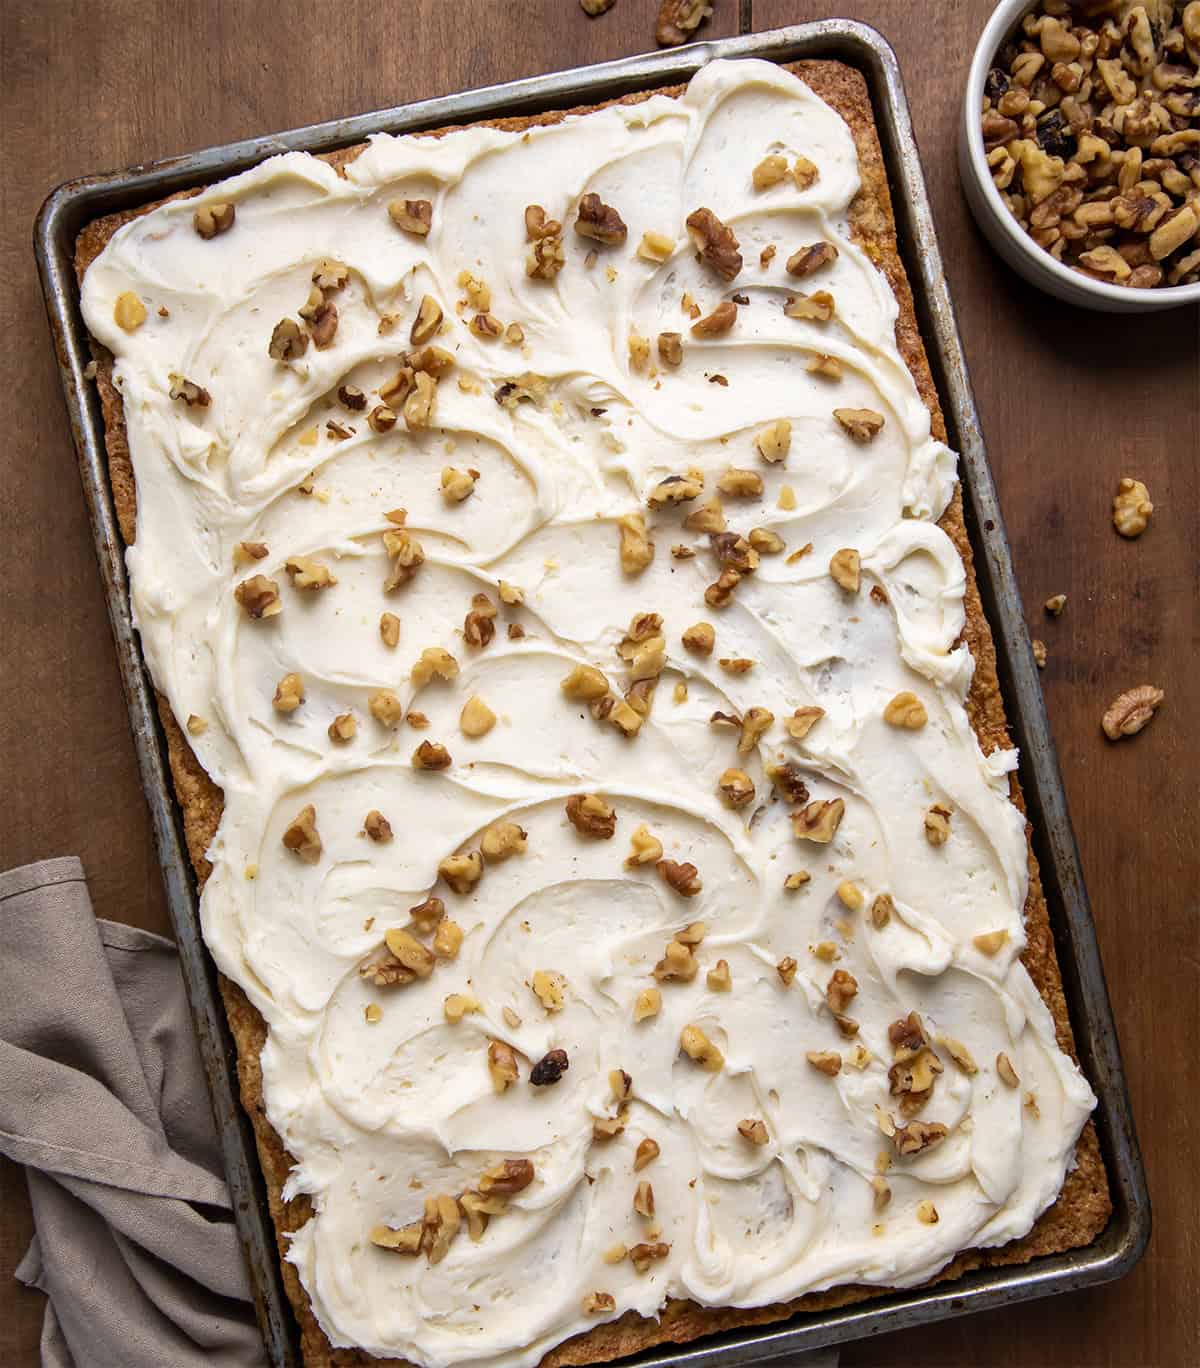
(1069, 401)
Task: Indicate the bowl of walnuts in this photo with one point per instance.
(1079, 148)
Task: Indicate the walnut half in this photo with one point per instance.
(716, 242)
(1129, 712)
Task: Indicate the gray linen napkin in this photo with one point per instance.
(103, 1099)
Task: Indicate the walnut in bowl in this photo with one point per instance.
(1079, 148)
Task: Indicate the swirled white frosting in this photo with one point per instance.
(379, 1116)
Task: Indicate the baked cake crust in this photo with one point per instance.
(1082, 1207)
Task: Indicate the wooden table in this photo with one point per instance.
(1070, 402)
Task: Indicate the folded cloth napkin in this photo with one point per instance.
(103, 1099)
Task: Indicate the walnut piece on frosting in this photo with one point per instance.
(698, 1048)
(716, 242)
(591, 816)
(600, 222)
(414, 217)
(301, 837)
(259, 597)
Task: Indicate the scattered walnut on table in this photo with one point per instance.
(1039, 652)
(679, 19)
(1131, 508)
(1130, 711)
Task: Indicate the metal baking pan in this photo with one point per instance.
(73, 205)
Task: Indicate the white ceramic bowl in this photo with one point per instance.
(998, 225)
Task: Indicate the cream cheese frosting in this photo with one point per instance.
(382, 1114)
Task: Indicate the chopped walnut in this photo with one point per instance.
(797, 879)
(769, 172)
(193, 395)
(381, 418)
(732, 550)
(656, 247)
(639, 351)
(736, 788)
(805, 173)
(927, 1213)
(647, 1004)
(670, 348)
(700, 638)
(882, 907)
(822, 364)
(717, 323)
(300, 836)
(129, 313)
(308, 573)
(766, 542)
(736, 665)
(917, 1136)
(389, 629)
(676, 489)
(324, 325)
(288, 341)
(487, 327)
(754, 725)
(786, 969)
(428, 914)
(637, 550)
(476, 718)
(427, 322)
(645, 848)
(412, 216)
(683, 879)
(431, 755)
(462, 872)
(788, 781)
(643, 1255)
(385, 707)
(609, 1127)
(591, 816)
(716, 242)
(646, 1153)
(259, 597)
(502, 1066)
(677, 21)
(841, 991)
(1132, 508)
(1129, 712)
(211, 220)
(479, 625)
(377, 827)
(457, 1005)
(352, 398)
(819, 821)
(882, 1191)
(289, 694)
(600, 222)
(863, 425)
(597, 1303)
(719, 978)
(246, 552)
(845, 569)
(811, 258)
(906, 711)
(643, 1200)
(406, 1240)
(197, 726)
(507, 1177)
(478, 1209)
(959, 1053)
(828, 1062)
(501, 840)
(1040, 655)
(585, 682)
(937, 824)
(418, 407)
(448, 939)
(409, 952)
(1008, 1075)
(434, 662)
(678, 964)
(740, 484)
(549, 1069)
(816, 308)
(802, 721)
(697, 1046)
(709, 518)
(1055, 604)
(550, 989)
(773, 443)
(990, 942)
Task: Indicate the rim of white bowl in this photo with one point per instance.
(1004, 20)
